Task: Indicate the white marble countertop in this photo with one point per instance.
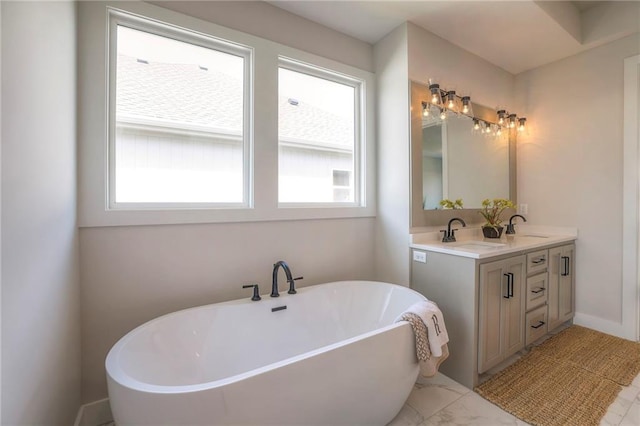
(471, 243)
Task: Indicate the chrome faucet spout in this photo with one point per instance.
(511, 227)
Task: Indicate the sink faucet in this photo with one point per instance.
(287, 272)
(511, 227)
(449, 234)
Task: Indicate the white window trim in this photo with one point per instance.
(359, 86)
(118, 17)
(93, 126)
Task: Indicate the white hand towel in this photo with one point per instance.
(432, 317)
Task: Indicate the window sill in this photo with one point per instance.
(231, 215)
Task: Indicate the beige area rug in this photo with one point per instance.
(570, 379)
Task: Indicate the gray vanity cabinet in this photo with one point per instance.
(493, 306)
(561, 303)
(501, 310)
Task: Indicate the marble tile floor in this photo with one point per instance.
(442, 401)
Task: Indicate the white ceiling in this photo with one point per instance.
(514, 35)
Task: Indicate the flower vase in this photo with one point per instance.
(492, 232)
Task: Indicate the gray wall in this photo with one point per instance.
(133, 274)
(392, 224)
(570, 168)
(410, 52)
(40, 289)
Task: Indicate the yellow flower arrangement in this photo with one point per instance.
(492, 209)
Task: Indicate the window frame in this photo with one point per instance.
(93, 125)
(358, 84)
(119, 18)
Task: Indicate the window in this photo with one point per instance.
(342, 185)
(318, 136)
(179, 119)
(184, 124)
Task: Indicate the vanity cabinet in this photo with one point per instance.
(495, 304)
(561, 305)
(501, 311)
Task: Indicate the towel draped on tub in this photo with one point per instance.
(430, 333)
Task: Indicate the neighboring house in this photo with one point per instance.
(187, 118)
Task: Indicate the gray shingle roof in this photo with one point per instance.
(185, 93)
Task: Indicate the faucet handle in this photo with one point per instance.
(256, 291)
(292, 289)
(445, 236)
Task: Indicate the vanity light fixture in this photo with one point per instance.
(445, 102)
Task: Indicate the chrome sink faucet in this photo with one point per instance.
(287, 272)
(511, 227)
(450, 234)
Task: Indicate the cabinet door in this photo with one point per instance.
(566, 290)
(561, 285)
(493, 289)
(514, 306)
(501, 311)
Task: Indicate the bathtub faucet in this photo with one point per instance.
(290, 279)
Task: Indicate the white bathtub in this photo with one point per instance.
(334, 356)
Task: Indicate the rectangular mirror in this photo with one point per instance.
(451, 161)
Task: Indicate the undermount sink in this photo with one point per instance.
(477, 245)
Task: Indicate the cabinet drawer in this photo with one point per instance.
(536, 324)
(537, 289)
(537, 261)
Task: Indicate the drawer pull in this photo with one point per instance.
(539, 290)
(540, 324)
(538, 261)
(566, 265)
(508, 275)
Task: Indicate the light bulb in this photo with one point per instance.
(425, 110)
(435, 93)
(499, 131)
(521, 124)
(512, 121)
(476, 124)
(466, 104)
(501, 114)
(451, 96)
(443, 114)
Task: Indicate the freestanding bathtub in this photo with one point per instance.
(334, 356)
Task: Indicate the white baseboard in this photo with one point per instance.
(94, 413)
(605, 326)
